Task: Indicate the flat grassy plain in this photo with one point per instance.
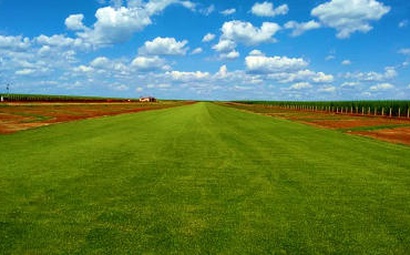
(201, 179)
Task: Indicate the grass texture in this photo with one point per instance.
(201, 179)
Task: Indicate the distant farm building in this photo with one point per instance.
(147, 99)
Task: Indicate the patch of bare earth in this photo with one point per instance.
(346, 123)
(21, 116)
(392, 130)
(395, 135)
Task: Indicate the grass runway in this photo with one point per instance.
(201, 179)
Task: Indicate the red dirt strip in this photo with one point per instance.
(394, 130)
(21, 116)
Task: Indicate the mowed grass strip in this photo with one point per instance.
(201, 179)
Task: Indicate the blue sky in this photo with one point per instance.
(214, 50)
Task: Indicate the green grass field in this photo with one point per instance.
(201, 179)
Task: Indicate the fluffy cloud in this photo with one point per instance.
(111, 67)
(266, 9)
(350, 84)
(116, 24)
(346, 62)
(262, 64)
(197, 51)
(24, 72)
(100, 62)
(157, 6)
(246, 33)
(60, 41)
(389, 73)
(208, 37)
(36, 71)
(321, 77)
(301, 75)
(382, 87)
(300, 28)
(228, 11)
(83, 69)
(349, 16)
(189, 5)
(230, 55)
(224, 45)
(14, 42)
(283, 69)
(164, 46)
(223, 72)
(300, 85)
(256, 53)
(75, 22)
(142, 63)
(188, 76)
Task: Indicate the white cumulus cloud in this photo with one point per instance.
(224, 45)
(223, 72)
(382, 87)
(228, 11)
(230, 55)
(157, 6)
(24, 72)
(188, 76)
(143, 63)
(349, 16)
(60, 41)
(14, 42)
(164, 46)
(115, 25)
(100, 62)
(208, 37)
(276, 64)
(321, 77)
(389, 73)
(301, 75)
(197, 51)
(301, 85)
(118, 23)
(75, 22)
(83, 69)
(266, 9)
(246, 33)
(300, 28)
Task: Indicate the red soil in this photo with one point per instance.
(393, 130)
(395, 135)
(21, 116)
(355, 123)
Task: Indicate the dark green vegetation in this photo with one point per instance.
(201, 179)
(393, 108)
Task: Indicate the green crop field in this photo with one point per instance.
(201, 179)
